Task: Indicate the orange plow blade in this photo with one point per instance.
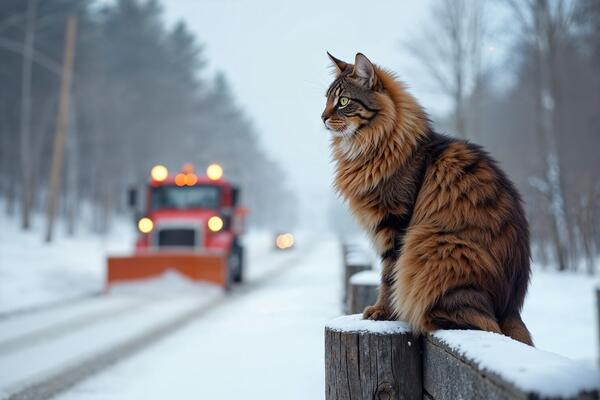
(198, 267)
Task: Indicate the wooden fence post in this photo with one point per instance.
(598, 312)
(367, 360)
(355, 260)
(362, 291)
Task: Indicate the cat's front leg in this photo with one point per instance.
(381, 310)
(377, 312)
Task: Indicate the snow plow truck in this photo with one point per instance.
(191, 224)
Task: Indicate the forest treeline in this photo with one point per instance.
(140, 96)
(542, 122)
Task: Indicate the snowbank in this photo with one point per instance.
(34, 273)
(169, 283)
(528, 368)
(356, 323)
(560, 312)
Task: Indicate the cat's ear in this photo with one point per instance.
(363, 71)
(339, 65)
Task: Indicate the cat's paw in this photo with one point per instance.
(376, 312)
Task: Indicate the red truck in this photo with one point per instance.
(191, 224)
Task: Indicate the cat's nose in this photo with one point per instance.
(324, 117)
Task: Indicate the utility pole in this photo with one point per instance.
(61, 123)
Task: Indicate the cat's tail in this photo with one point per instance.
(514, 327)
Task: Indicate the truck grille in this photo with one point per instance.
(177, 237)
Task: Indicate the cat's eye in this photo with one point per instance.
(344, 101)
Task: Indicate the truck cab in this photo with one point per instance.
(189, 222)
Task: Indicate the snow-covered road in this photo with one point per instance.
(45, 350)
(42, 346)
(265, 344)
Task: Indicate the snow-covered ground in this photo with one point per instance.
(29, 356)
(560, 311)
(33, 273)
(266, 339)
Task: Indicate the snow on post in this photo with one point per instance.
(371, 360)
(362, 291)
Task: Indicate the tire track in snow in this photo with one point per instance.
(66, 378)
(31, 310)
(76, 323)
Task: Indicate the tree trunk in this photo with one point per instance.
(72, 178)
(25, 117)
(459, 115)
(546, 97)
(61, 125)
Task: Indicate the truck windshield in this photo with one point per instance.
(186, 197)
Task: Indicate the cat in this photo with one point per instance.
(448, 224)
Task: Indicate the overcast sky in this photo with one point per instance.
(273, 53)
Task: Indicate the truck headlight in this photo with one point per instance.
(145, 225)
(159, 173)
(215, 224)
(284, 241)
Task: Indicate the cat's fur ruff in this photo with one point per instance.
(446, 221)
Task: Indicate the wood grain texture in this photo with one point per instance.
(362, 365)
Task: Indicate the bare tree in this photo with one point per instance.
(545, 24)
(450, 49)
(25, 122)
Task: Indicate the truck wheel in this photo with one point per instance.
(236, 264)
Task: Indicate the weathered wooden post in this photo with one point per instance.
(362, 291)
(598, 312)
(355, 260)
(368, 360)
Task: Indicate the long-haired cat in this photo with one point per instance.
(447, 222)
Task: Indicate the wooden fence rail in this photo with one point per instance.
(384, 360)
(367, 360)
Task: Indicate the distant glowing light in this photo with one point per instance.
(215, 224)
(191, 179)
(491, 49)
(145, 225)
(214, 172)
(284, 241)
(180, 180)
(159, 173)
